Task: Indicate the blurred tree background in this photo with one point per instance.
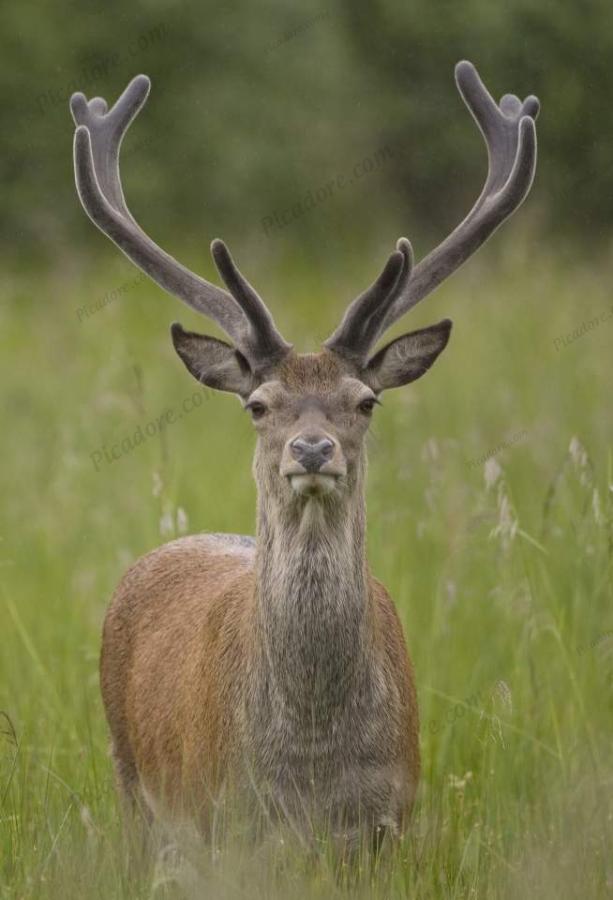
(253, 107)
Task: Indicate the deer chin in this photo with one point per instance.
(313, 484)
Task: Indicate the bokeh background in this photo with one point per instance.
(490, 498)
(252, 107)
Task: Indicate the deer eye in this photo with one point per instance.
(366, 406)
(257, 409)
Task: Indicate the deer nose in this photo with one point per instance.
(312, 453)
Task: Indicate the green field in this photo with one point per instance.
(490, 521)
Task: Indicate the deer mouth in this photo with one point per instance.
(313, 483)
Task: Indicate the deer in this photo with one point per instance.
(274, 670)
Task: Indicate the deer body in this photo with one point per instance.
(275, 672)
(289, 669)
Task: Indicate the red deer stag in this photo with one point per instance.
(277, 667)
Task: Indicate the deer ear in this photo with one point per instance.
(213, 362)
(407, 358)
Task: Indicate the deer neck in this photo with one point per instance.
(312, 598)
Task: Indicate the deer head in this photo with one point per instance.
(311, 412)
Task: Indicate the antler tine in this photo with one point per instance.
(510, 135)
(107, 130)
(271, 345)
(363, 319)
(96, 156)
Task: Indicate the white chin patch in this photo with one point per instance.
(312, 484)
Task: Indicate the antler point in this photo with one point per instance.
(531, 106)
(144, 79)
(78, 105)
(404, 245)
(464, 67)
(82, 134)
(219, 250)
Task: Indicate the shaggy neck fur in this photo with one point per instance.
(312, 599)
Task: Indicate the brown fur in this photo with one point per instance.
(175, 726)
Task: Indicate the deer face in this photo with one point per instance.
(311, 420)
(311, 412)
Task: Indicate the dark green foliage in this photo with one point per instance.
(260, 117)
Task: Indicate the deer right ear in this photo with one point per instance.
(213, 362)
(407, 358)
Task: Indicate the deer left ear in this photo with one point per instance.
(407, 358)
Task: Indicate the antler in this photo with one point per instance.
(241, 313)
(510, 136)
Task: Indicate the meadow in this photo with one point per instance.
(490, 520)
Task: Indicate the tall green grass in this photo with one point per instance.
(500, 568)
